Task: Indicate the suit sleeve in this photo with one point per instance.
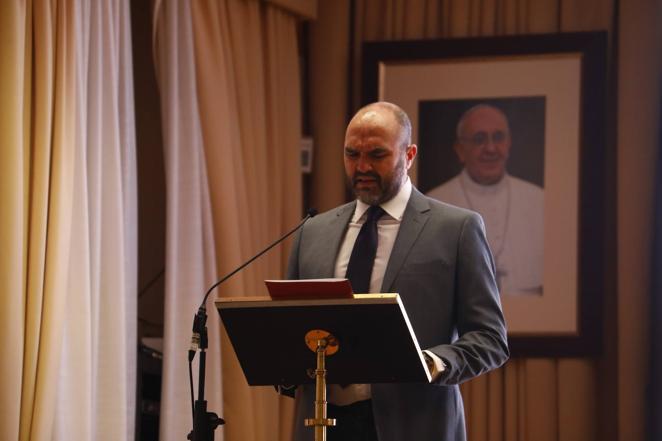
(482, 343)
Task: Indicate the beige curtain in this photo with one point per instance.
(229, 78)
(248, 83)
(66, 268)
(38, 148)
(528, 399)
(97, 380)
(190, 256)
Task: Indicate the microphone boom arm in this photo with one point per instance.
(204, 422)
(312, 212)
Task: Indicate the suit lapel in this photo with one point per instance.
(329, 246)
(415, 216)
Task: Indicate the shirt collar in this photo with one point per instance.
(394, 207)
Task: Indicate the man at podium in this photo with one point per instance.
(394, 239)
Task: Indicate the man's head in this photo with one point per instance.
(378, 152)
(483, 143)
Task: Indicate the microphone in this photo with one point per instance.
(195, 338)
(204, 422)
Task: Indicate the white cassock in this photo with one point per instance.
(513, 213)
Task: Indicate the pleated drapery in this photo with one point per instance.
(67, 221)
(189, 229)
(248, 77)
(97, 385)
(231, 111)
(37, 156)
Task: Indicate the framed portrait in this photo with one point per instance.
(514, 129)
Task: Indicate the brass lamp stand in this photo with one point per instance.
(323, 343)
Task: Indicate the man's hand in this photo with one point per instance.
(435, 364)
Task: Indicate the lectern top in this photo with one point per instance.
(376, 341)
(268, 302)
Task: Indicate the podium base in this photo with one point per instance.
(324, 343)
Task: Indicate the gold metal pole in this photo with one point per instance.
(320, 422)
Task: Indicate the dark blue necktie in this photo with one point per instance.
(362, 259)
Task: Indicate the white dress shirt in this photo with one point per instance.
(387, 230)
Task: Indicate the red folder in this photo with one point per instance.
(309, 289)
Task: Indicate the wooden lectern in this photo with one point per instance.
(363, 339)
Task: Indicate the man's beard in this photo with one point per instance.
(385, 188)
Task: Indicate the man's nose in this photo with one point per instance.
(363, 164)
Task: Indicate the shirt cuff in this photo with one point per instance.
(437, 367)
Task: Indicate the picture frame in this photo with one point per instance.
(550, 93)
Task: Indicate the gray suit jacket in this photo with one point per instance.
(442, 268)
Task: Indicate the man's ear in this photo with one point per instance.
(410, 154)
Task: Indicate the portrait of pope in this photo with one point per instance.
(476, 172)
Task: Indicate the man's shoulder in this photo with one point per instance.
(327, 216)
(447, 190)
(450, 192)
(445, 210)
(444, 219)
(446, 199)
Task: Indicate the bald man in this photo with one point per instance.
(435, 256)
(511, 208)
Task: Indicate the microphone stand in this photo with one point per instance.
(204, 422)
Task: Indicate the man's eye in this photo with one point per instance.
(351, 154)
